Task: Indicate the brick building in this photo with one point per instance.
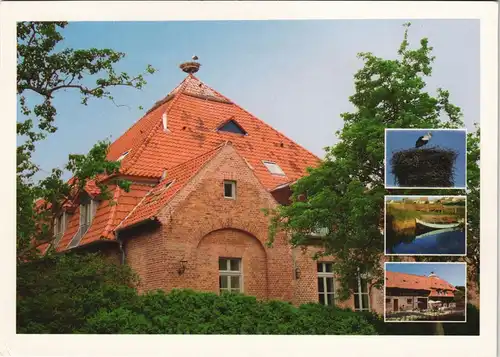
(202, 169)
(409, 292)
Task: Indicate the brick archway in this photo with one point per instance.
(232, 243)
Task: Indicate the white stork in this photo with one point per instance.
(423, 140)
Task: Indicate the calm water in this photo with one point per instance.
(443, 241)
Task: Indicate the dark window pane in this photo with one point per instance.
(329, 285)
(365, 301)
(235, 282)
(235, 265)
(356, 301)
(228, 189)
(223, 282)
(329, 267)
(320, 267)
(232, 127)
(330, 299)
(321, 299)
(222, 264)
(387, 300)
(321, 287)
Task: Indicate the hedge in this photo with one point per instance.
(189, 312)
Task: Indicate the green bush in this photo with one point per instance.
(189, 312)
(58, 294)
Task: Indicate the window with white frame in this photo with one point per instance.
(122, 156)
(230, 276)
(59, 228)
(88, 208)
(229, 189)
(361, 296)
(326, 283)
(274, 168)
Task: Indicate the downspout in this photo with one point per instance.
(122, 249)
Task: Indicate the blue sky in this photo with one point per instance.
(452, 273)
(295, 75)
(405, 139)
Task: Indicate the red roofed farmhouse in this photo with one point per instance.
(408, 292)
(202, 169)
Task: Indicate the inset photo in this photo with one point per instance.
(426, 225)
(425, 158)
(425, 292)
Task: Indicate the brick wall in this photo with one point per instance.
(199, 225)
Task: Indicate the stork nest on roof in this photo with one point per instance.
(424, 167)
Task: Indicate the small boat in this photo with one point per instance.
(434, 232)
(436, 225)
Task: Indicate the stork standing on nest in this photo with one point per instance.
(423, 140)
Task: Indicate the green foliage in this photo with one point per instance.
(189, 312)
(42, 71)
(346, 192)
(57, 294)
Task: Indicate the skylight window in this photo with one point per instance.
(122, 156)
(274, 168)
(232, 126)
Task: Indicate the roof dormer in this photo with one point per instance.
(231, 126)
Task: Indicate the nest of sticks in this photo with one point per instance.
(424, 167)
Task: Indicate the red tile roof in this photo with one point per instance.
(159, 196)
(415, 282)
(194, 112)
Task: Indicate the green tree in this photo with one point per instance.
(58, 293)
(345, 193)
(42, 71)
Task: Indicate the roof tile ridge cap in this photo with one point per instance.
(262, 121)
(149, 112)
(190, 178)
(145, 142)
(213, 90)
(108, 229)
(133, 209)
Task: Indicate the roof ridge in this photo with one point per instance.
(133, 209)
(196, 172)
(172, 180)
(217, 147)
(255, 117)
(143, 144)
(116, 196)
